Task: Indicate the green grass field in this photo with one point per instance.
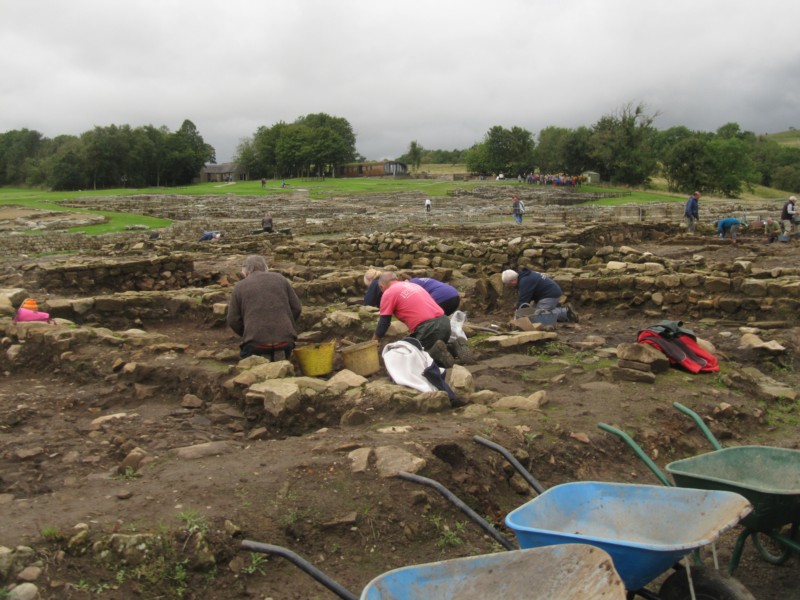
(316, 189)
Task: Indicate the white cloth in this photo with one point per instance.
(406, 363)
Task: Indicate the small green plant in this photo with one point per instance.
(180, 577)
(448, 537)
(82, 585)
(193, 522)
(256, 563)
(291, 517)
(451, 537)
(51, 533)
(129, 474)
(529, 437)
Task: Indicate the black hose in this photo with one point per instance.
(474, 517)
(300, 563)
(514, 462)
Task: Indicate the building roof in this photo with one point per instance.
(228, 167)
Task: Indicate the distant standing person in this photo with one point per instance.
(263, 310)
(263, 182)
(445, 295)
(266, 223)
(788, 216)
(427, 205)
(518, 208)
(691, 212)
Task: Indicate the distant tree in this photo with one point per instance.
(336, 144)
(787, 178)
(621, 146)
(17, 149)
(294, 150)
(414, 154)
(106, 151)
(246, 158)
(508, 151)
(551, 149)
(186, 153)
(663, 140)
(685, 164)
(730, 164)
(265, 143)
(476, 160)
(576, 152)
(316, 142)
(68, 168)
(147, 156)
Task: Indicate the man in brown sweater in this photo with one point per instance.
(263, 310)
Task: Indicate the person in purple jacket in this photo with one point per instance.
(443, 294)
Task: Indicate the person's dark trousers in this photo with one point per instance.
(280, 351)
(450, 306)
(430, 331)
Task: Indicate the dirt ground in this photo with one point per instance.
(295, 487)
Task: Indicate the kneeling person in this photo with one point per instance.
(263, 310)
(416, 308)
(444, 294)
(539, 290)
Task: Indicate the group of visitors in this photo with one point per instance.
(556, 180)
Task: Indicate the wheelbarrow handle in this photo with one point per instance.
(639, 452)
(455, 500)
(698, 420)
(302, 564)
(514, 462)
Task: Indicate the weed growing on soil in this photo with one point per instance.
(291, 517)
(783, 413)
(193, 522)
(447, 537)
(129, 474)
(51, 534)
(256, 564)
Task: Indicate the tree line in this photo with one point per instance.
(105, 157)
(625, 148)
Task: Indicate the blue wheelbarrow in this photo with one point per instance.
(768, 477)
(645, 529)
(566, 572)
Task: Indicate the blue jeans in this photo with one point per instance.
(518, 219)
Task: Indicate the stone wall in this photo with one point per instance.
(157, 273)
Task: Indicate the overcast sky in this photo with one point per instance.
(440, 72)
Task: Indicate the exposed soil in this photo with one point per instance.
(294, 485)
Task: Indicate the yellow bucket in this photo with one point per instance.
(361, 359)
(316, 359)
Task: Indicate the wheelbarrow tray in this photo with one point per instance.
(567, 572)
(767, 476)
(644, 528)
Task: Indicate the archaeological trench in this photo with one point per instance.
(139, 322)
